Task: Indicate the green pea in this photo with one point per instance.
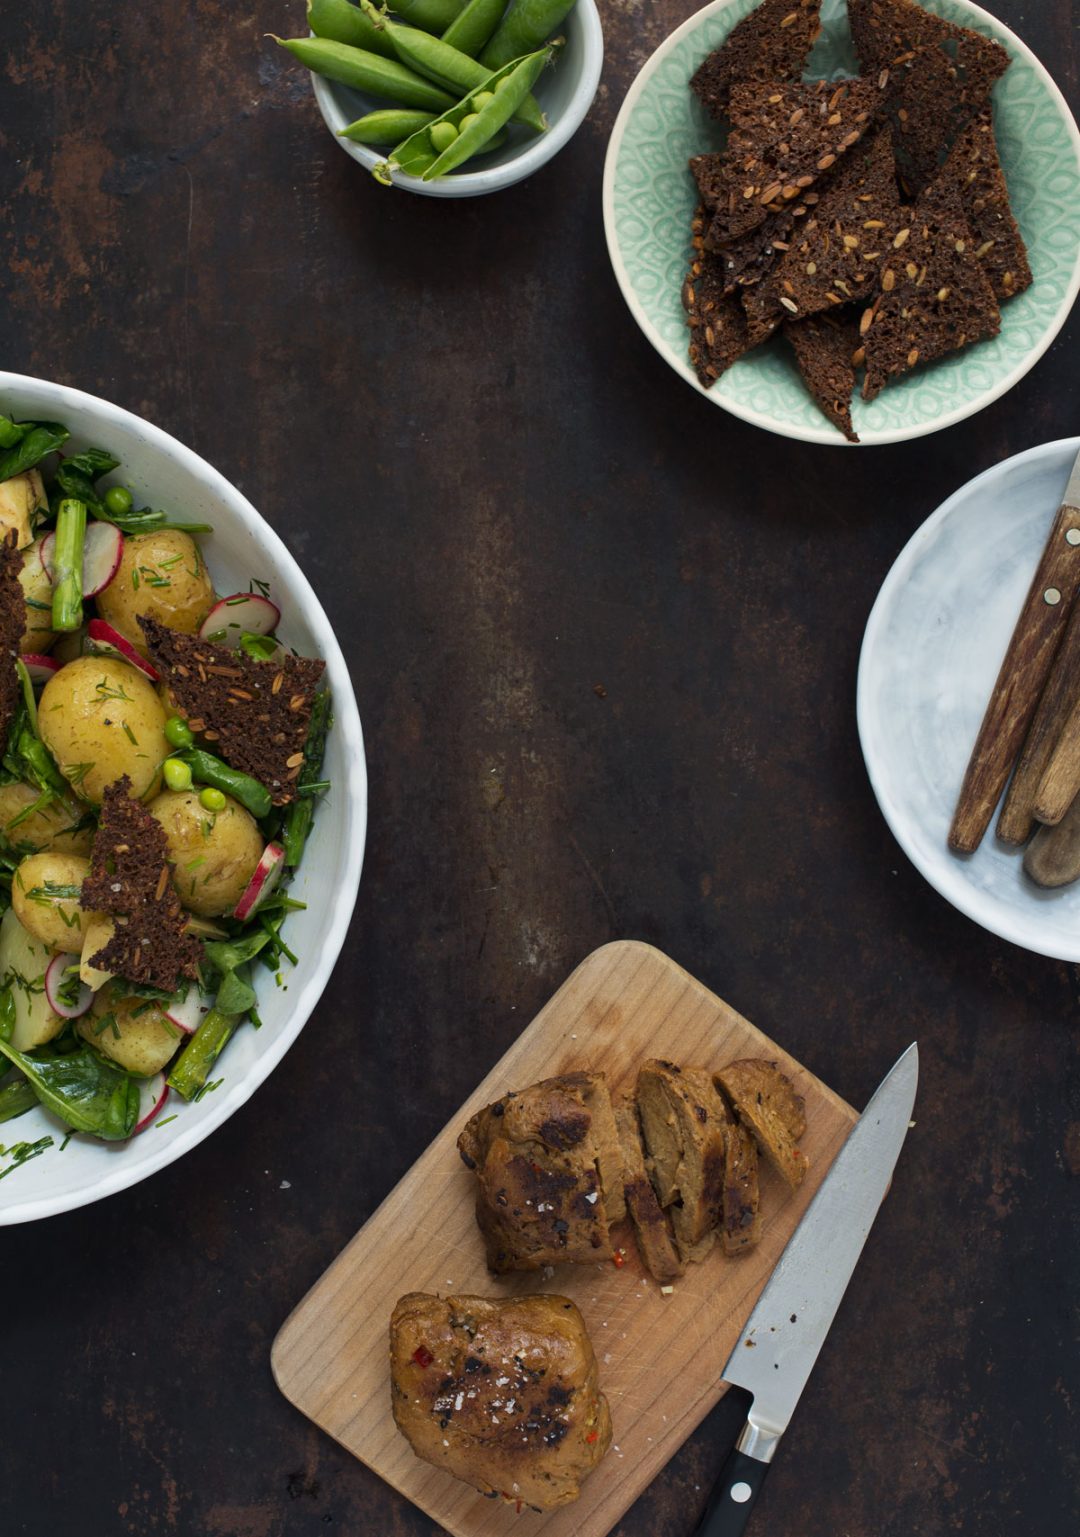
(442, 136)
(178, 733)
(119, 500)
(213, 800)
(481, 100)
(467, 121)
(177, 774)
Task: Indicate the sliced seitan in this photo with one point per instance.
(683, 1121)
(740, 1225)
(549, 1171)
(766, 1102)
(772, 43)
(653, 1229)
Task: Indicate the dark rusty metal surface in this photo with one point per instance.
(604, 639)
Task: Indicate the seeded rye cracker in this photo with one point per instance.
(825, 347)
(935, 295)
(974, 169)
(255, 713)
(785, 137)
(129, 880)
(718, 334)
(934, 75)
(12, 622)
(772, 43)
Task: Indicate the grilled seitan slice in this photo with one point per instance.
(503, 1393)
(683, 1122)
(654, 1237)
(772, 43)
(549, 1169)
(740, 1226)
(765, 1101)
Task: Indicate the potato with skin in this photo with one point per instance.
(213, 854)
(101, 718)
(135, 1033)
(41, 894)
(97, 933)
(162, 576)
(54, 825)
(20, 498)
(38, 636)
(23, 963)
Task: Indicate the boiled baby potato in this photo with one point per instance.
(23, 963)
(45, 893)
(38, 635)
(97, 933)
(162, 576)
(134, 1032)
(101, 718)
(20, 499)
(54, 825)
(213, 853)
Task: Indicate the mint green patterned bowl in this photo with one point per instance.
(649, 198)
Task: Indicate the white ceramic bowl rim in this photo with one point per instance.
(536, 153)
(825, 434)
(58, 400)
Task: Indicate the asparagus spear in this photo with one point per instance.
(67, 564)
(201, 1052)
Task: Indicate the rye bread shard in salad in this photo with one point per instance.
(160, 766)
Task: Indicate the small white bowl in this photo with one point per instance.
(163, 473)
(565, 92)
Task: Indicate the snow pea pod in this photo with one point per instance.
(446, 66)
(339, 21)
(470, 30)
(526, 25)
(368, 72)
(387, 127)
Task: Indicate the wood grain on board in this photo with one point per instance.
(660, 1356)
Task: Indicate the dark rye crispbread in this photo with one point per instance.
(256, 714)
(974, 170)
(935, 295)
(716, 319)
(934, 76)
(772, 43)
(784, 139)
(129, 880)
(825, 347)
(12, 624)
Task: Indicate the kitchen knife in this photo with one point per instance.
(776, 1351)
(1023, 673)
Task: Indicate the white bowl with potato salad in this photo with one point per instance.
(135, 760)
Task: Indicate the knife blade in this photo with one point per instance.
(776, 1351)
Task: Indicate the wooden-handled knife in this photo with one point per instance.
(1020, 682)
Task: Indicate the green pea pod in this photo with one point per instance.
(420, 153)
(387, 127)
(339, 21)
(493, 115)
(474, 26)
(526, 25)
(208, 770)
(433, 15)
(446, 66)
(368, 72)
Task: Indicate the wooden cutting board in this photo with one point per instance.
(660, 1356)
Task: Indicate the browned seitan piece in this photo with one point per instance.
(12, 617)
(740, 1225)
(549, 1170)
(772, 43)
(683, 1123)
(766, 1102)
(652, 1228)
(503, 1394)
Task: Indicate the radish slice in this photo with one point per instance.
(267, 874)
(244, 613)
(40, 668)
(60, 987)
(189, 1015)
(153, 1092)
(102, 548)
(102, 637)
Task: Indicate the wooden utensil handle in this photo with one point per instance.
(1061, 780)
(1061, 693)
(1020, 682)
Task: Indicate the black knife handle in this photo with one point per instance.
(733, 1498)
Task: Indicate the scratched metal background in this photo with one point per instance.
(505, 500)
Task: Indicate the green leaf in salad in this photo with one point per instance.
(16, 1098)
(43, 439)
(82, 1089)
